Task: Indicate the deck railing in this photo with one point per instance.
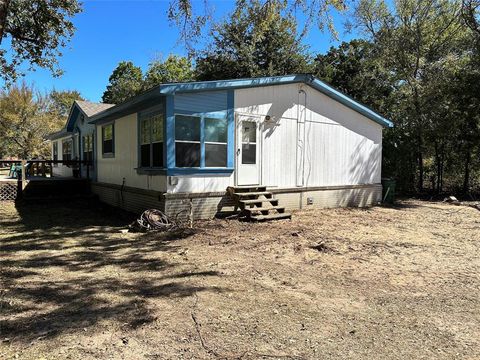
(41, 168)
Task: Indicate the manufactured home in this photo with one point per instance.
(76, 140)
(180, 146)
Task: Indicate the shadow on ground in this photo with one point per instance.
(66, 267)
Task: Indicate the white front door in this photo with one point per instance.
(248, 150)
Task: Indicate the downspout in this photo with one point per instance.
(302, 151)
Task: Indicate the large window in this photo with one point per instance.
(108, 140)
(215, 142)
(197, 135)
(151, 140)
(87, 147)
(67, 150)
(55, 152)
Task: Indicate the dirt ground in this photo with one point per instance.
(382, 283)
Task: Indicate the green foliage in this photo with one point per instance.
(426, 51)
(125, 82)
(255, 41)
(61, 101)
(36, 32)
(26, 118)
(173, 69)
(353, 68)
(191, 18)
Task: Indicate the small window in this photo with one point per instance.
(67, 150)
(108, 139)
(87, 144)
(187, 141)
(151, 140)
(249, 142)
(215, 142)
(55, 152)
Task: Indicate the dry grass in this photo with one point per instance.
(394, 283)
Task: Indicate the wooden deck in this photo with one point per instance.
(37, 187)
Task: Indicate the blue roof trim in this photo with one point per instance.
(349, 102)
(229, 84)
(172, 89)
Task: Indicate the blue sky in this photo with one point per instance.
(109, 31)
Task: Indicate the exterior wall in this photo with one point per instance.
(82, 128)
(199, 183)
(342, 147)
(121, 169)
(60, 169)
(129, 199)
(208, 205)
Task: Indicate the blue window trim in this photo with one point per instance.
(199, 171)
(170, 131)
(171, 169)
(230, 128)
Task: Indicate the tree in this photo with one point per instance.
(26, 120)
(61, 101)
(125, 82)
(471, 15)
(36, 32)
(173, 69)
(353, 68)
(257, 40)
(412, 36)
(191, 20)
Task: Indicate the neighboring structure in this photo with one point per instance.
(76, 140)
(179, 146)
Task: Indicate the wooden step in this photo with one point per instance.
(247, 188)
(280, 209)
(258, 193)
(258, 201)
(271, 217)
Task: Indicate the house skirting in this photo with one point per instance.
(210, 204)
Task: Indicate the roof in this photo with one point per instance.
(188, 87)
(91, 108)
(87, 108)
(59, 134)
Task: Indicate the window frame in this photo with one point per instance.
(91, 147)
(141, 117)
(70, 142)
(203, 142)
(112, 153)
(55, 152)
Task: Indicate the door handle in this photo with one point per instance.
(238, 151)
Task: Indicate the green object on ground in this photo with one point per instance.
(388, 194)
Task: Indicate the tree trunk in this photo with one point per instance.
(466, 174)
(3, 17)
(420, 162)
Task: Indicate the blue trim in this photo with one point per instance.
(202, 141)
(170, 131)
(198, 171)
(230, 128)
(228, 84)
(171, 89)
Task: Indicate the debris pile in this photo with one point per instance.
(155, 220)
